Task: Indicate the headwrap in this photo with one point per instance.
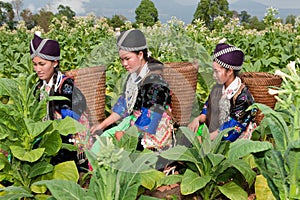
(44, 48)
(132, 40)
(228, 56)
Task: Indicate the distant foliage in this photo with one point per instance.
(146, 13)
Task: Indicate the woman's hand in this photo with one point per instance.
(96, 128)
(194, 125)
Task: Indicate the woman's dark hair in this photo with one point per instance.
(149, 59)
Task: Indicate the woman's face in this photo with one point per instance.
(131, 61)
(221, 75)
(44, 68)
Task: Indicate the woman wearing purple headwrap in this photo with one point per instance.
(45, 55)
(229, 98)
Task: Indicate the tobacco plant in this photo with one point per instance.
(281, 165)
(27, 143)
(214, 168)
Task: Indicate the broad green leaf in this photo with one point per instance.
(150, 178)
(245, 170)
(64, 189)
(36, 128)
(233, 191)
(40, 168)
(143, 197)
(128, 185)
(262, 190)
(292, 156)
(15, 192)
(30, 156)
(179, 153)
(68, 126)
(241, 148)
(192, 182)
(3, 161)
(51, 142)
(215, 159)
(171, 179)
(66, 171)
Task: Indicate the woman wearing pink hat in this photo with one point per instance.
(229, 98)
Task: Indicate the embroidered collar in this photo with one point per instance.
(232, 89)
(50, 84)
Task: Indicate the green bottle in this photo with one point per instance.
(200, 129)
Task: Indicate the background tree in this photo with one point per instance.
(28, 18)
(117, 21)
(66, 11)
(290, 19)
(244, 17)
(6, 14)
(43, 19)
(208, 10)
(254, 23)
(146, 13)
(17, 5)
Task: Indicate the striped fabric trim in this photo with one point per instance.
(225, 51)
(227, 66)
(38, 53)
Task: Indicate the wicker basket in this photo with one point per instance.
(91, 82)
(182, 78)
(258, 84)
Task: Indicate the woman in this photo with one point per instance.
(229, 98)
(45, 55)
(145, 100)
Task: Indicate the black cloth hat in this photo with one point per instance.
(228, 56)
(132, 40)
(44, 48)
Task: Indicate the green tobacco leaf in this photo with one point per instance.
(68, 126)
(245, 169)
(233, 191)
(262, 190)
(36, 128)
(292, 156)
(40, 168)
(30, 156)
(15, 192)
(215, 159)
(64, 189)
(241, 148)
(180, 153)
(171, 179)
(51, 142)
(66, 171)
(150, 178)
(128, 185)
(192, 182)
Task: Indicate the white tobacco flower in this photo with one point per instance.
(274, 91)
(282, 74)
(291, 67)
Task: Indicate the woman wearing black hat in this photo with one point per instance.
(45, 55)
(145, 100)
(229, 98)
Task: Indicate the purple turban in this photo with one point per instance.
(228, 56)
(44, 48)
(132, 40)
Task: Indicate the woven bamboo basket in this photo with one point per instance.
(182, 79)
(258, 84)
(91, 82)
